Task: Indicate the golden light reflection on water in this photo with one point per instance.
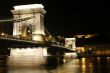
(83, 65)
(98, 59)
(86, 65)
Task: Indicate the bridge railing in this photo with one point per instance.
(20, 39)
(11, 37)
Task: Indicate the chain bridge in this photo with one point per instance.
(28, 32)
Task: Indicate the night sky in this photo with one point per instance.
(68, 17)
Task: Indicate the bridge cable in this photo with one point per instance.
(16, 20)
(50, 35)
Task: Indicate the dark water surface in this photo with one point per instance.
(82, 65)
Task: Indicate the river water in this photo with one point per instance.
(76, 65)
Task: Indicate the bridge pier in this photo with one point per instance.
(26, 57)
(34, 57)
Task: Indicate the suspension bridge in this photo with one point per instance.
(28, 28)
(28, 35)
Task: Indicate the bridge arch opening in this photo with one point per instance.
(26, 31)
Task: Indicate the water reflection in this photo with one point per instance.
(101, 65)
(30, 70)
(3, 61)
(82, 65)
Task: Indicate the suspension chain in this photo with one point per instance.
(16, 20)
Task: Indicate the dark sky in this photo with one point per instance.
(68, 17)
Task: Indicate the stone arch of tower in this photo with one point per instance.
(25, 31)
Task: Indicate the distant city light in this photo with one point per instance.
(28, 6)
(70, 39)
(2, 34)
(86, 36)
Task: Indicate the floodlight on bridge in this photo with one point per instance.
(39, 38)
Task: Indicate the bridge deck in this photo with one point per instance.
(12, 42)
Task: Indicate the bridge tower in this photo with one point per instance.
(31, 23)
(28, 23)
